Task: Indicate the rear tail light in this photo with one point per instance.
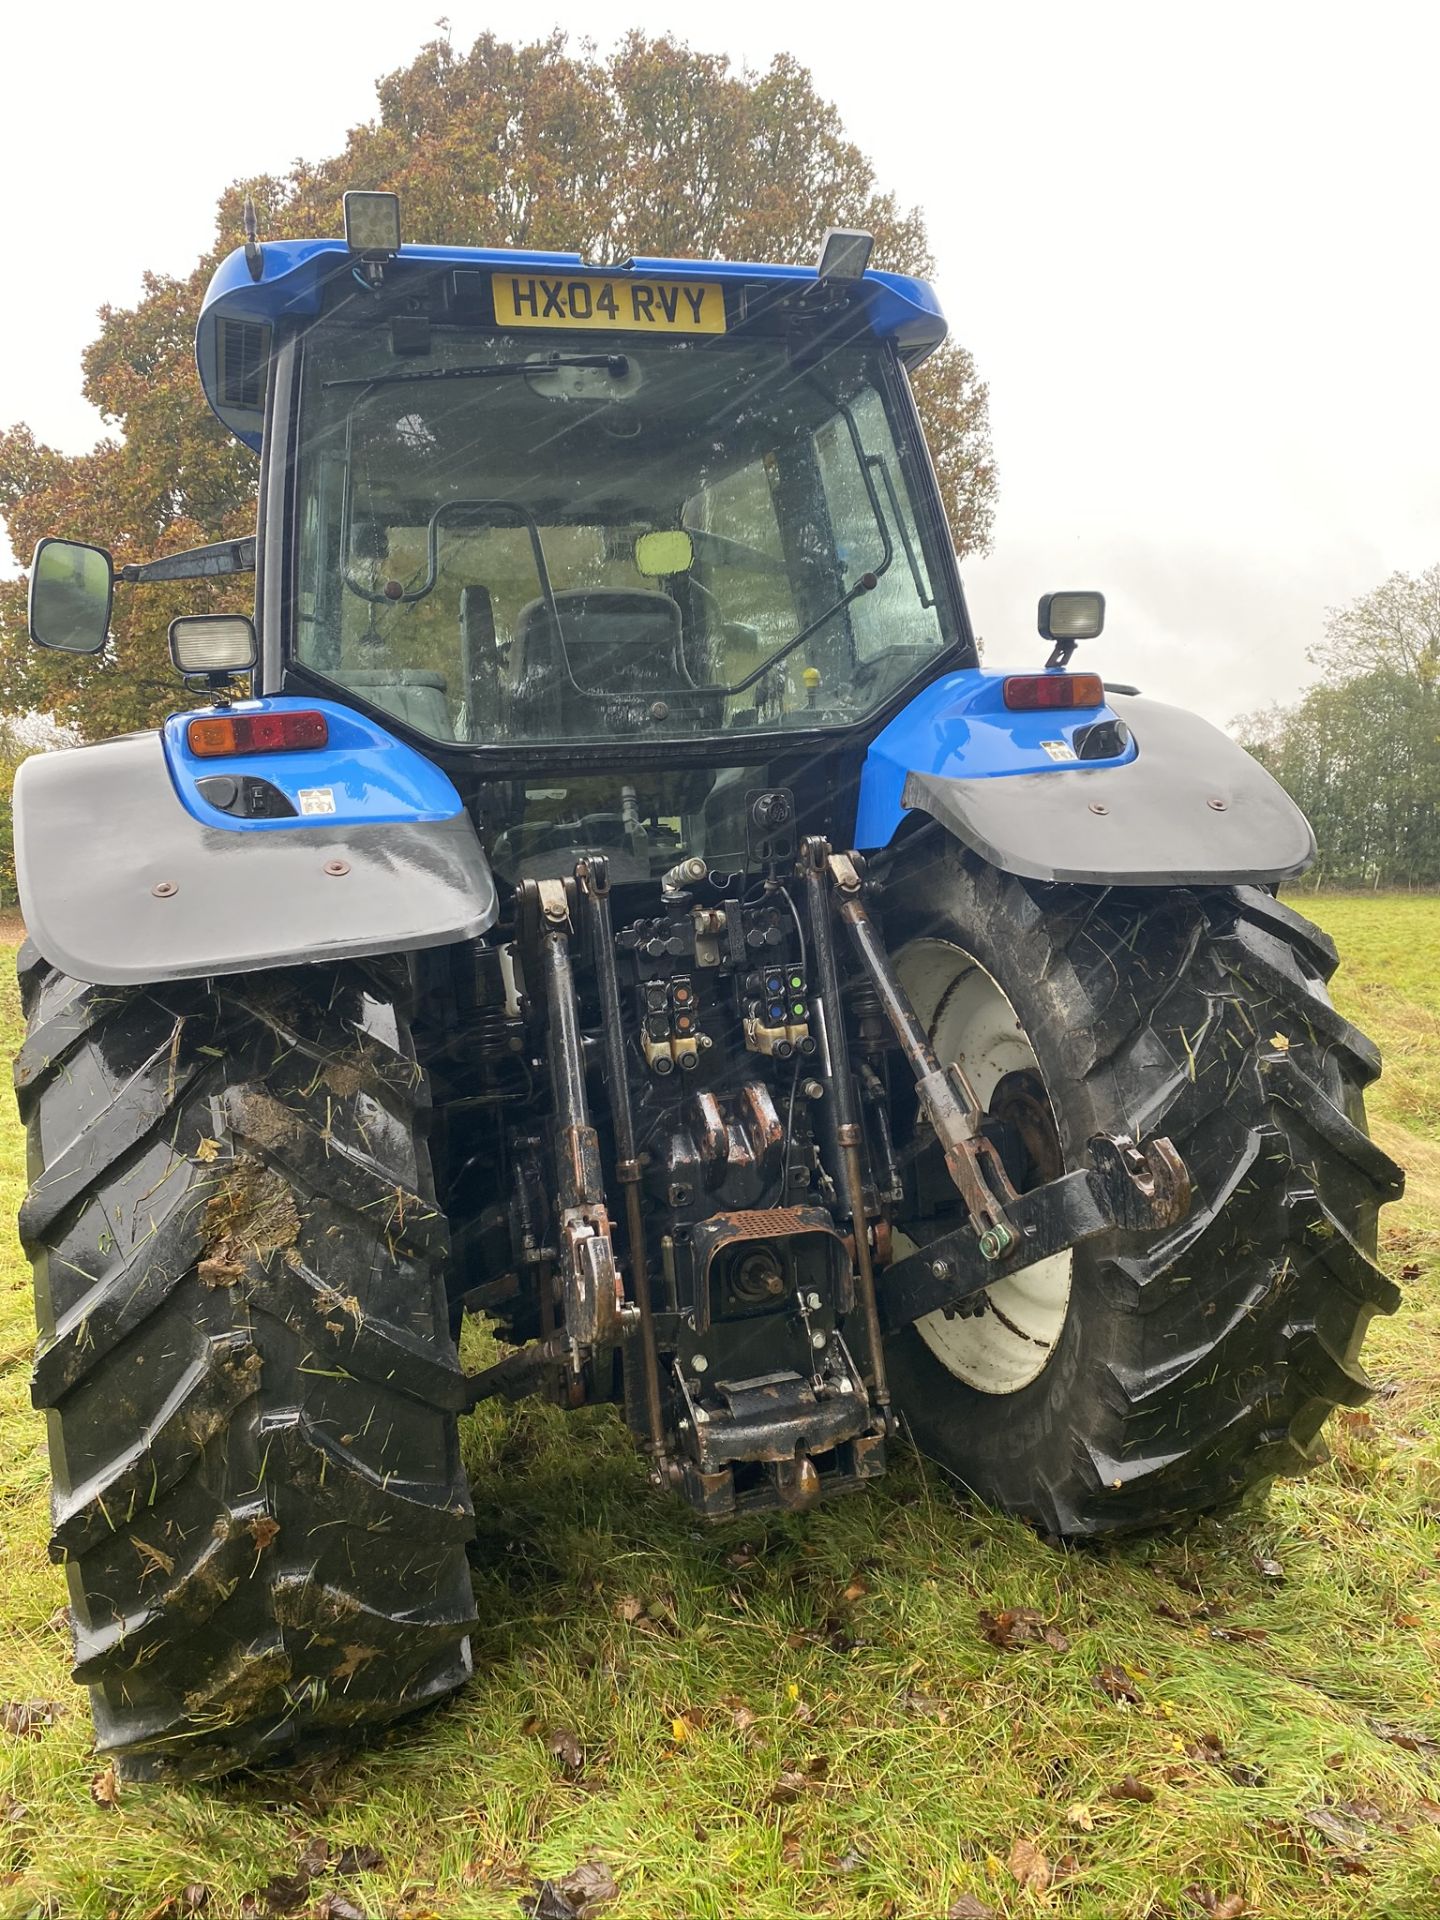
(1029, 692)
(284, 732)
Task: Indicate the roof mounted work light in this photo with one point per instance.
(372, 223)
(844, 253)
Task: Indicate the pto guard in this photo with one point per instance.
(128, 874)
(1180, 805)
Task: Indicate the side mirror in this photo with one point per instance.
(71, 589)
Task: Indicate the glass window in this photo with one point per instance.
(508, 544)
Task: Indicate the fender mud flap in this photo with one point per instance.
(1192, 809)
(120, 886)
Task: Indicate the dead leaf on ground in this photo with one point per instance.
(565, 1750)
(282, 1894)
(1220, 1906)
(850, 1862)
(1130, 1788)
(576, 1895)
(788, 1788)
(1080, 1817)
(1015, 1627)
(1269, 1569)
(314, 1858)
(1238, 1636)
(1343, 1825)
(742, 1716)
(1116, 1684)
(195, 1898)
(339, 1906)
(28, 1719)
(105, 1788)
(925, 1706)
(1029, 1866)
(967, 1907)
(856, 1590)
(358, 1860)
(1410, 1270)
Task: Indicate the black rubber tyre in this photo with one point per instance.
(245, 1359)
(1203, 1361)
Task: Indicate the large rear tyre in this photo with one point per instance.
(1129, 1384)
(245, 1360)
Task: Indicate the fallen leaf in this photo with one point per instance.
(28, 1719)
(1130, 1789)
(196, 1897)
(315, 1858)
(1340, 1825)
(792, 1854)
(563, 1748)
(742, 1718)
(359, 1860)
(967, 1907)
(1279, 1043)
(745, 1555)
(680, 1729)
(850, 1862)
(1405, 1738)
(207, 1151)
(1029, 1866)
(788, 1788)
(925, 1705)
(1226, 1906)
(1116, 1684)
(1014, 1627)
(339, 1906)
(1411, 1270)
(1080, 1817)
(282, 1894)
(263, 1530)
(1270, 1569)
(856, 1590)
(105, 1788)
(629, 1609)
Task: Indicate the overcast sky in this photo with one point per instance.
(1192, 250)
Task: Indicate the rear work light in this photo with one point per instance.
(226, 733)
(1029, 692)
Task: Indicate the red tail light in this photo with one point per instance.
(1028, 692)
(286, 731)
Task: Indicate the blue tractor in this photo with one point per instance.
(603, 889)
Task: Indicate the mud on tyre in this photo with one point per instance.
(244, 1359)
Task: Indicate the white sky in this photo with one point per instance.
(1192, 250)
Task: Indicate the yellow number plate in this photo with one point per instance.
(628, 306)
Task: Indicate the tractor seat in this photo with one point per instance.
(622, 645)
(412, 694)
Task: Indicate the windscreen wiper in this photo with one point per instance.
(617, 364)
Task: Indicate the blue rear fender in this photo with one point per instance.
(363, 776)
(960, 727)
(1179, 805)
(137, 860)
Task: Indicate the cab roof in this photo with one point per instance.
(231, 346)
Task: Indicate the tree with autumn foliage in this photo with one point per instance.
(651, 149)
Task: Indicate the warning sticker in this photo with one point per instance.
(1058, 749)
(322, 799)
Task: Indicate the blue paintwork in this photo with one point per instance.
(960, 727)
(375, 778)
(296, 272)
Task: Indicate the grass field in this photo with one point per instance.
(805, 1717)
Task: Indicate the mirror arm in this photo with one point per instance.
(197, 563)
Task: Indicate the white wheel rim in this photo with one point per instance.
(970, 1021)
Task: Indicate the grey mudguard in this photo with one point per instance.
(120, 885)
(1190, 809)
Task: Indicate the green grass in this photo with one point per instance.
(813, 1723)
